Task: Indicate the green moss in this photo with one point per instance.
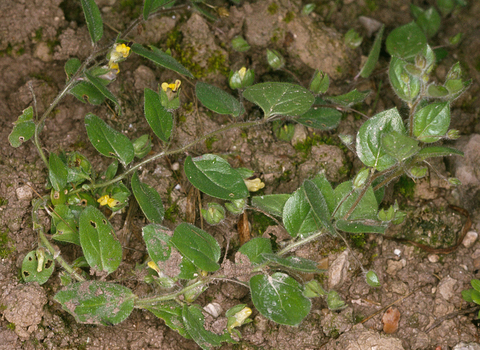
(217, 63)
(172, 212)
(6, 245)
(405, 186)
(210, 141)
(372, 5)
(260, 222)
(289, 16)
(38, 34)
(272, 8)
(358, 239)
(11, 326)
(314, 140)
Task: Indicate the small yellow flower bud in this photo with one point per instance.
(241, 72)
(103, 200)
(153, 266)
(112, 202)
(240, 317)
(254, 185)
(122, 49)
(114, 65)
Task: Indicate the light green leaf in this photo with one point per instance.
(399, 145)
(406, 41)
(161, 58)
(475, 284)
(24, 128)
(193, 320)
(369, 139)
(294, 263)
(276, 99)
(171, 313)
(72, 66)
(429, 21)
(93, 19)
(406, 86)
(239, 44)
(148, 199)
(349, 99)
(254, 249)
(272, 203)
(372, 59)
(467, 295)
(97, 82)
(438, 151)
(57, 172)
(334, 301)
(279, 298)
(108, 141)
(213, 175)
(372, 279)
(100, 245)
(157, 241)
(366, 209)
(97, 302)
(32, 272)
(321, 118)
(159, 119)
(218, 100)
(197, 246)
(431, 122)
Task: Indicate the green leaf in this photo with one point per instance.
(213, 175)
(320, 118)
(188, 271)
(24, 128)
(475, 295)
(370, 135)
(372, 279)
(318, 204)
(446, 6)
(159, 119)
(239, 44)
(193, 320)
(108, 141)
(254, 249)
(467, 295)
(361, 226)
(429, 21)
(366, 208)
(197, 246)
(294, 263)
(161, 58)
(325, 187)
(97, 82)
(65, 223)
(298, 216)
(157, 241)
(475, 284)
(276, 99)
(171, 313)
(148, 199)
(372, 59)
(349, 99)
(72, 66)
(97, 302)
(431, 122)
(275, 59)
(57, 172)
(32, 272)
(406, 86)
(334, 301)
(279, 298)
(93, 19)
(399, 145)
(406, 41)
(218, 100)
(438, 151)
(320, 82)
(87, 92)
(272, 203)
(99, 243)
(437, 91)
(151, 5)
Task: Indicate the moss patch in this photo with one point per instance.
(6, 245)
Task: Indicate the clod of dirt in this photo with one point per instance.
(467, 168)
(469, 239)
(390, 320)
(338, 270)
(24, 308)
(323, 157)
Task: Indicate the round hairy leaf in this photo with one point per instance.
(35, 270)
(320, 118)
(432, 121)
(406, 41)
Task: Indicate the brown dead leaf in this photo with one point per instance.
(243, 227)
(390, 320)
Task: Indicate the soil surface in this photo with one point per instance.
(418, 306)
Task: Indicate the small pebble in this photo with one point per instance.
(397, 252)
(470, 239)
(390, 320)
(433, 258)
(24, 193)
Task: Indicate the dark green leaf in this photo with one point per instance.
(320, 82)
(334, 301)
(294, 263)
(438, 151)
(254, 249)
(399, 145)
(406, 41)
(349, 99)
(32, 272)
(298, 216)
(161, 58)
(151, 5)
(318, 204)
(327, 191)
(366, 208)
(218, 100)
(24, 128)
(71, 67)
(369, 139)
(446, 6)
(188, 271)
(416, 11)
(57, 172)
(381, 191)
(99, 243)
(431, 122)
(157, 241)
(159, 119)
(320, 118)
(193, 320)
(406, 86)
(65, 224)
(97, 82)
(171, 313)
(429, 21)
(197, 246)
(372, 59)
(148, 199)
(361, 226)
(93, 19)
(272, 203)
(279, 298)
(108, 141)
(97, 302)
(475, 296)
(277, 99)
(213, 175)
(87, 92)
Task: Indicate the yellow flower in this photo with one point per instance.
(254, 185)
(174, 86)
(122, 49)
(153, 266)
(240, 317)
(241, 72)
(106, 200)
(114, 65)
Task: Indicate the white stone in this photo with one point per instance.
(24, 193)
(338, 270)
(214, 309)
(433, 258)
(470, 239)
(446, 287)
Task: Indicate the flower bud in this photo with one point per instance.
(242, 78)
(454, 181)
(417, 172)
(420, 62)
(453, 134)
(361, 178)
(254, 185)
(347, 140)
(314, 289)
(275, 59)
(239, 318)
(320, 82)
(142, 146)
(236, 206)
(214, 213)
